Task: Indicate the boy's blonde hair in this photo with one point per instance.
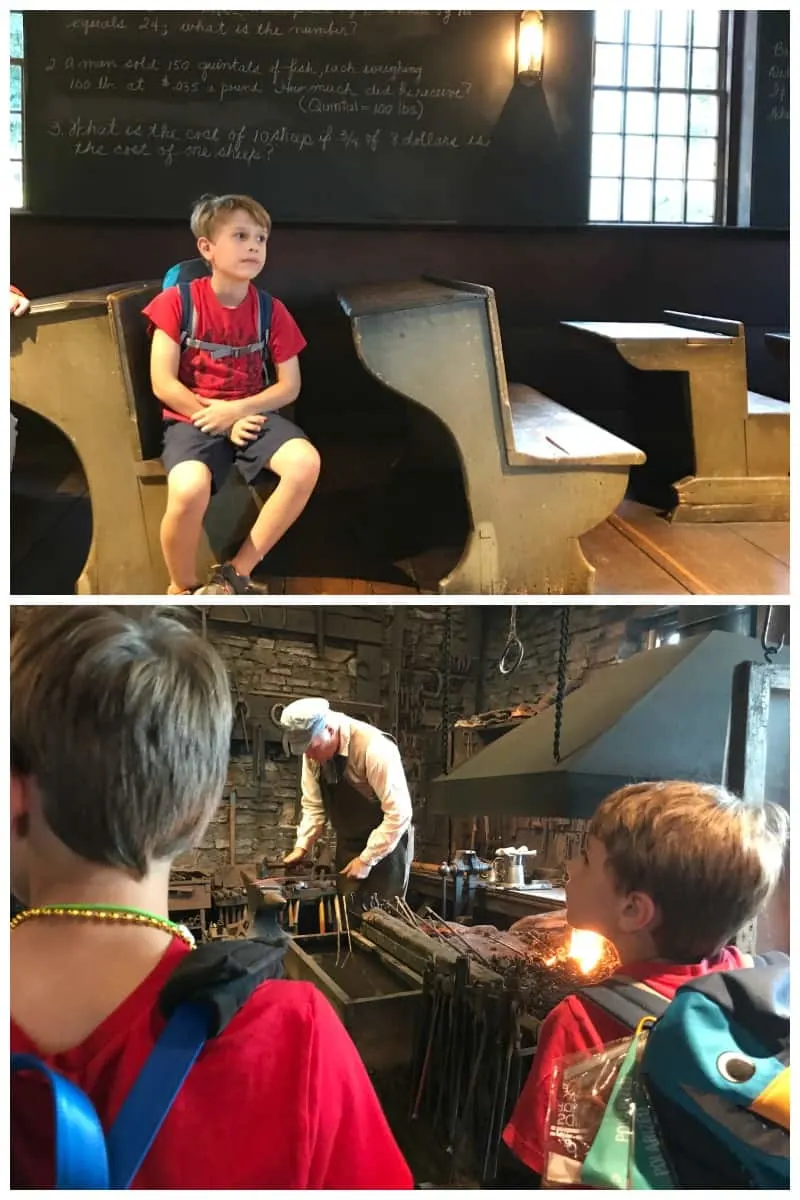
(708, 859)
(211, 211)
(123, 717)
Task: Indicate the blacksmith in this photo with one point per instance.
(353, 777)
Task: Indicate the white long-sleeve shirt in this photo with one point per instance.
(374, 767)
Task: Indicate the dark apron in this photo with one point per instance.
(353, 818)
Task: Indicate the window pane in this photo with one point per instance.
(706, 25)
(607, 114)
(606, 154)
(17, 42)
(671, 114)
(608, 65)
(16, 89)
(16, 184)
(16, 135)
(702, 158)
(641, 66)
(704, 119)
(637, 200)
(669, 200)
(642, 25)
(675, 27)
(640, 112)
(604, 200)
(609, 25)
(639, 156)
(705, 69)
(700, 202)
(671, 158)
(673, 68)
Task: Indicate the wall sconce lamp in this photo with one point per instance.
(530, 47)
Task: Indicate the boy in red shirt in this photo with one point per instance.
(670, 873)
(217, 409)
(121, 723)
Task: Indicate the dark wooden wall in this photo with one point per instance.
(541, 276)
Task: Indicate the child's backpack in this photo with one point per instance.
(715, 1068)
(200, 998)
(181, 276)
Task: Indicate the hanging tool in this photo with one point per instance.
(322, 928)
(561, 684)
(346, 916)
(447, 653)
(241, 713)
(338, 908)
(232, 825)
(514, 651)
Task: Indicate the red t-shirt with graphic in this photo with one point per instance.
(573, 1026)
(223, 378)
(279, 1101)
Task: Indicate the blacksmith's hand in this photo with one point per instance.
(294, 856)
(355, 869)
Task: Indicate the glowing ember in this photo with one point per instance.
(587, 949)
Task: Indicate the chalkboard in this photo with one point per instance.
(769, 204)
(347, 117)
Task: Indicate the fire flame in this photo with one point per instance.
(587, 949)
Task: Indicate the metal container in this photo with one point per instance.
(376, 996)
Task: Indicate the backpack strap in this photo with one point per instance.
(264, 322)
(147, 1103)
(626, 1000)
(80, 1155)
(188, 315)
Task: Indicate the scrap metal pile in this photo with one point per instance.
(485, 993)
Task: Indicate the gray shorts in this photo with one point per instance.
(183, 442)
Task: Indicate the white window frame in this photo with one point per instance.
(721, 91)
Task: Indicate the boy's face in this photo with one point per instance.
(595, 903)
(239, 247)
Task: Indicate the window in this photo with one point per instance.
(17, 54)
(657, 115)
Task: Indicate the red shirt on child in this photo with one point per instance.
(223, 378)
(279, 1101)
(573, 1026)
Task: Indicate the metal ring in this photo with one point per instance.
(275, 713)
(514, 652)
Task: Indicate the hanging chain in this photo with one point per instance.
(770, 648)
(514, 651)
(561, 684)
(446, 655)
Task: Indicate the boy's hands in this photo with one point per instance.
(246, 429)
(216, 416)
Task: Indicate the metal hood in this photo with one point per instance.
(662, 714)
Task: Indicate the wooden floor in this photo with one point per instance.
(349, 546)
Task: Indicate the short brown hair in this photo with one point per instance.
(123, 717)
(708, 859)
(211, 211)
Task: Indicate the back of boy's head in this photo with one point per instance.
(708, 859)
(123, 718)
(210, 212)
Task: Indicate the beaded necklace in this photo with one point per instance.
(107, 912)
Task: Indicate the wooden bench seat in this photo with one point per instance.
(536, 475)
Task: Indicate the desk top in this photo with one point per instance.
(628, 331)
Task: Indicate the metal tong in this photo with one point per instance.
(342, 918)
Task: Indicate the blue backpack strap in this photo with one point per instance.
(154, 1090)
(80, 1154)
(625, 1001)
